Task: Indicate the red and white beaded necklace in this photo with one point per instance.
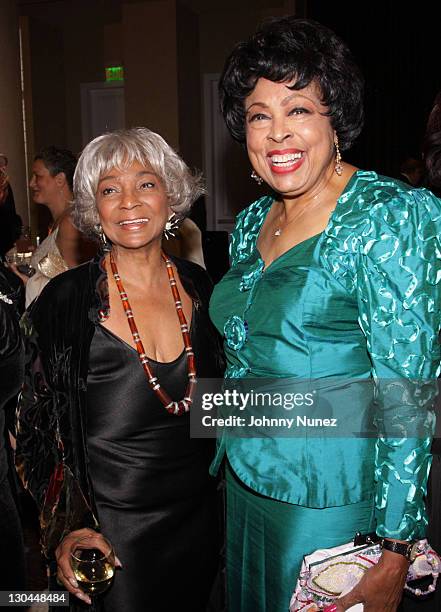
(182, 406)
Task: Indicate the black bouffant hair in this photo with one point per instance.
(301, 50)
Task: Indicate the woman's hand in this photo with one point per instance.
(65, 573)
(24, 278)
(381, 587)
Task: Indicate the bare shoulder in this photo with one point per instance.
(67, 229)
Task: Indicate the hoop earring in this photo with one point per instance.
(104, 243)
(256, 177)
(338, 165)
(171, 226)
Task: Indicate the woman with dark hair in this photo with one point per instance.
(113, 350)
(10, 222)
(65, 247)
(333, 279)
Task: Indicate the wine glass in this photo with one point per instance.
(93, 567)
(21, 253)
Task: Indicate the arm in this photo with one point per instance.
(37, 454)
(192, 242)
(399, 295)
(72, 244)
(45, 457)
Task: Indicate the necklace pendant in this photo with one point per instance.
(277, 232)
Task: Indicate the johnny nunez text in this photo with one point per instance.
(237, 421)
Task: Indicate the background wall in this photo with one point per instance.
(11, 132)
(397, 48)
(151, 67)
(167, 46)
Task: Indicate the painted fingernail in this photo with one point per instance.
(118, 562)
(332, 608)
(73, 582)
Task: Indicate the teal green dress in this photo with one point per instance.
(358, 302)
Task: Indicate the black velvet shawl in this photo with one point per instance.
(11, 354)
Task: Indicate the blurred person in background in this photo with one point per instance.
(65, 247)
(412, 171)
(10, 222)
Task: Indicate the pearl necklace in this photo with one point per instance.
(175, 408)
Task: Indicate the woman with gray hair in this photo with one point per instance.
(114, 347)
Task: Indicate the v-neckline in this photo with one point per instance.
(295, 247)
(133, 349)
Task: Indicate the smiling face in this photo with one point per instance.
(45, 188)
(290, 141)
(133, 206)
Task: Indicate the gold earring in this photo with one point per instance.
(338, 165)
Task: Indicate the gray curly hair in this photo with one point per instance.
(119, 149)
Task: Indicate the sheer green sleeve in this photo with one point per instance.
(398, 277)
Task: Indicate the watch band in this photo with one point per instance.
(399, 547)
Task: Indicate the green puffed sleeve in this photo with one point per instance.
(245, 233)
(398, 275)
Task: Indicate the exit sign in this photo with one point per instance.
(114, 73)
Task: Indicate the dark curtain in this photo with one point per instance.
(397, 46)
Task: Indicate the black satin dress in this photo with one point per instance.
(155, 499)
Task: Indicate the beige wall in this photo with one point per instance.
(221, 28)
(165, 46)
(11, 130)
(189, 87)
(66, 48)
(70, 43)
(150, 64)
(83, 60)
(48, 84)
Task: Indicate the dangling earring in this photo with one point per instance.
(105, 244)
(171, 226)
(256, 177)
(338, 165)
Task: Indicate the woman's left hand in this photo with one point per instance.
(23, 277)
(380, 589)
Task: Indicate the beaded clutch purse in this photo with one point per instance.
(332, 572)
